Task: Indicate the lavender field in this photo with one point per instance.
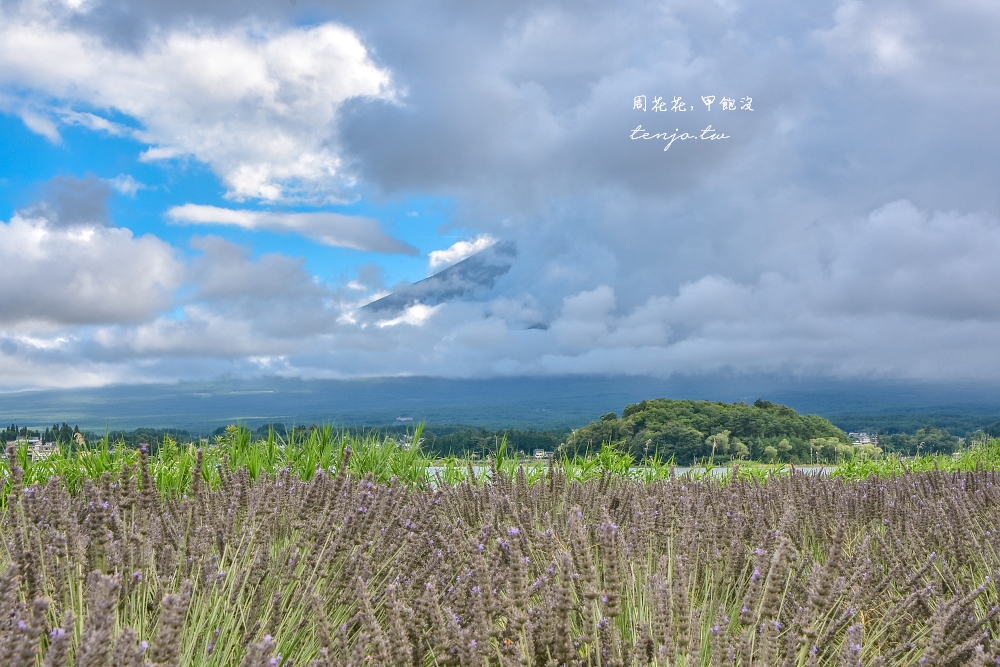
(344, 569)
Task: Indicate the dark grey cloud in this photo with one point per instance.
(272, 294)
(68, 200)
(527, 160)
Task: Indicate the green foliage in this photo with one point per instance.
(698, 430)
(171, 464)
(14, 432)
(404, 458)
(152, 437)
(983, 455)
(439, 440)
(928, 439)
(463, 441)
(958, 424)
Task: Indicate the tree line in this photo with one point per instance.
(684, 430)
(61, 434)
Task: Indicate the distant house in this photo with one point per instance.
(37, 450)
(542, 454)
(406, 442)
(863, 438)
(24, 441)
(42, 450)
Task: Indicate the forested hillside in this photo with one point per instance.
(700, 429)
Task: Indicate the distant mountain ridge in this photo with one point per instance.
(505, 402)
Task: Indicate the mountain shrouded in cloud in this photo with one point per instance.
(263, 188)
(476, 273)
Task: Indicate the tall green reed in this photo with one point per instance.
(303, 451)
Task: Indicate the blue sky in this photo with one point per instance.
(194, 189)
(28, 160)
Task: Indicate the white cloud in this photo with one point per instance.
(40, 124)
(125, 184)
(99, 124)
(256, 103)
(416, 315)
(459, 251)
(332, 229)
(904, 260)
(585, 317)
(82, 274)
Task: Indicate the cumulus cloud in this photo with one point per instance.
(332, 229)
(236, 306)
(75, 273)
(902, 259)
(67, 200)
(459, 251)
(872, 296)
(416, 315)
(585, 317)
(255, 102)
(126, 185)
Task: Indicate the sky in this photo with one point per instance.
(191, 190)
